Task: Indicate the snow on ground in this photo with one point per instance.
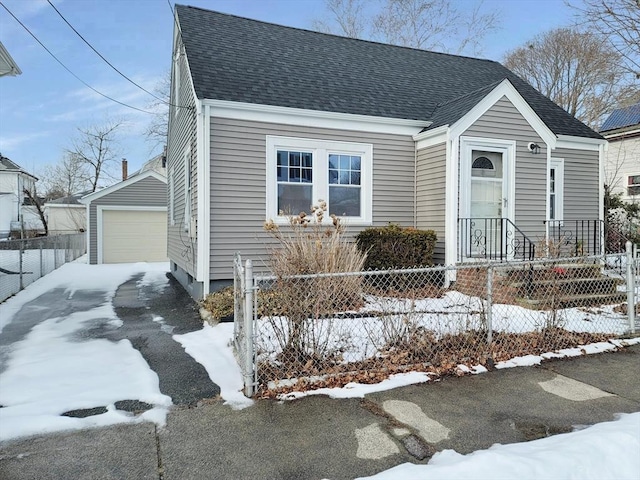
(211, 347)
(607, 450)
(53, 369)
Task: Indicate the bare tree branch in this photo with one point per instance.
(577, 70)
(158, 127)
(32, 194)
(618, 23)
(442, 25)
(95, 151)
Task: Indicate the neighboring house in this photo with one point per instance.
(8, 67)
(66, 215)
(127, 222)
(622, 159)
(16, 212)
(267, 118)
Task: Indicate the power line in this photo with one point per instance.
(107, 61)
(67, 68)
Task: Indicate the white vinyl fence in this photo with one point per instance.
(24, 261)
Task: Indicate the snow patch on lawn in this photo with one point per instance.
(211, 347)
(604, 450)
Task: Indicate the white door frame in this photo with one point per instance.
(508, 150)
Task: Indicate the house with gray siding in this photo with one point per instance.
(266, 118)
(127, 222)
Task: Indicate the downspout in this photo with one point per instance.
(601, 151)
(548, 189)
(415, 184)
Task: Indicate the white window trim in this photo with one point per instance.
(558, 165)
(320, 150)
(176, 81)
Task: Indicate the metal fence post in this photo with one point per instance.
(21, 263)
(631, 306)
(248, 329)
(489, 305)
(41, 261)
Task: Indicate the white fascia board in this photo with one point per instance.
(579, 143)
(431, 137)
(314, 118)
(8, 65)
(87, 199)
(505, 89)
(621, 135)
(64, 205)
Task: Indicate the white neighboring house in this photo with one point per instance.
(16, 211)
(66, 215)
(622, 161)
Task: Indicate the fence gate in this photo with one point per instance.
(243, 318)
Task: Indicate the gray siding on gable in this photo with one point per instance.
(182, 248)
(503, 121)
(581, 183)
(148, 192)
(238, 184)
(431, 194)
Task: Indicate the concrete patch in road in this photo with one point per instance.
(374, 444)
(411, 414)
(574, 390)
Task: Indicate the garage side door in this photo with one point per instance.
(134, 236)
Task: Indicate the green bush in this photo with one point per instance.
(396, 247)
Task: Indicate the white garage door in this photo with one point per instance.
(134, 236)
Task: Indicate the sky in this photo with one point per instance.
(42, 109)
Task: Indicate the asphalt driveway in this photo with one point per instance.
(148, 315)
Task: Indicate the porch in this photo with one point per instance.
(500, 239)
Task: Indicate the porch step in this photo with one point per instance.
(547, 272)
(595, 286)
(570, 301)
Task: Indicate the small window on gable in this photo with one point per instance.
(176, 82)
(633, 185)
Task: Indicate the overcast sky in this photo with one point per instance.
(41, 109)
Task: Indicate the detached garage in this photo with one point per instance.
(127, 222)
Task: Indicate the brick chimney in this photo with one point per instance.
(125, 174)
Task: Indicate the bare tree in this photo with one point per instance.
(38, 203)
(65, 178)
(350, 18)
(158, 127)
(442, 25)
(574, 69)
(95, 151)
(618, 23)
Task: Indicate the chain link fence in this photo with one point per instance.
(322, 330)
(24, 261)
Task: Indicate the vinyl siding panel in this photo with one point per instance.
(181, 147)
(431, 193)
(581, 184)
(238, 184)
(503, 121)
(149, 192)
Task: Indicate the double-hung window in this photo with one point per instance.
(301, 172)
(633, 185)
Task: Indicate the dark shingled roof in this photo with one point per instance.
(9, 165)
(243, 60)
(622, 117)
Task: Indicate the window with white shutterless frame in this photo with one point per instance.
(187, 190)
(302, 171)
(556, 189)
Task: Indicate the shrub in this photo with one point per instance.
(219, 303)
(309, 246)
(396, 247)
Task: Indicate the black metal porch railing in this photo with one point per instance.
(576, 237)
(493, 239)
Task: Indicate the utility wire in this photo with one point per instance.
(107, 61)
(67, 68)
